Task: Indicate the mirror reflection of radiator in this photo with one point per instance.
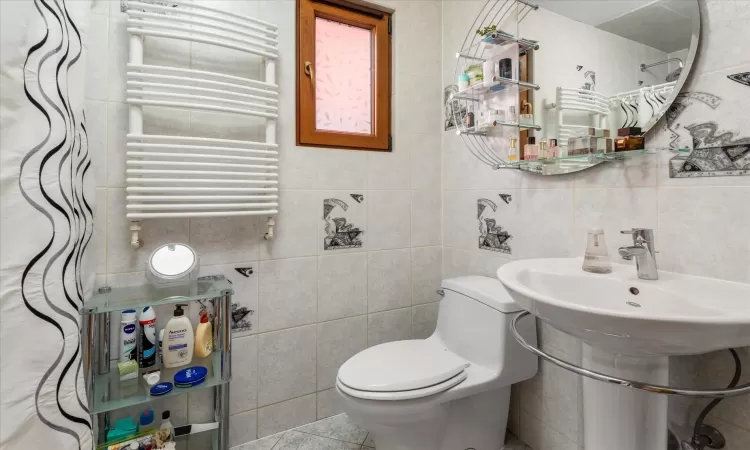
(593, 105)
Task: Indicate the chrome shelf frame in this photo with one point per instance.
(653, 388)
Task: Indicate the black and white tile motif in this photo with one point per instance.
(742, 78)
(492, 237)
(244, 300)
(717, 152)
(339, 232)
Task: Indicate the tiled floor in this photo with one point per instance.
(333, 433)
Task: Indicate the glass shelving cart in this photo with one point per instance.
(107, 393)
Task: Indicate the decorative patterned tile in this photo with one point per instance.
(343, 219)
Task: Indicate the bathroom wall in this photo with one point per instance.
(307, 308)
(701, 224)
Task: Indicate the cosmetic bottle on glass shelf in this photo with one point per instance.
(463, 82)
(527, 118)
(513, 150)
(531, 149)
(553, 151)
(512, 115)
(543, 149)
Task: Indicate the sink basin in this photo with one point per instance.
(617, 312)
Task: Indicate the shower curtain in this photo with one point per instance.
(46, 222)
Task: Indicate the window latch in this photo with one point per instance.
(309, 72)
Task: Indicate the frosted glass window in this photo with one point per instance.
(343, 77)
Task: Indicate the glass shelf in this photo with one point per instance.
(134, 297)
(574, 163)
(123, 394)
(498, 123)
(500, 38)
(499, 85)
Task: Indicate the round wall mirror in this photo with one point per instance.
(172, 264)
(559, 86)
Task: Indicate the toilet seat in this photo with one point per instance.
(401, 370)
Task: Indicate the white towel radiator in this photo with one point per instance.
(190, 176)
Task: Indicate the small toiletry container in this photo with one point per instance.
(596, 259)
(463, 82)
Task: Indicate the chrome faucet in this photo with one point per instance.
(643, 251)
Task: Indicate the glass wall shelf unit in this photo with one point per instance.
(106, 392)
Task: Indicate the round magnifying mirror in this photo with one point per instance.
(172, 264)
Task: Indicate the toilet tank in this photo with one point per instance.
(474, 322)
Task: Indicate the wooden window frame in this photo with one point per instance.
(353, 13)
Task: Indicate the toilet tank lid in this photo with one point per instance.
(489, 291)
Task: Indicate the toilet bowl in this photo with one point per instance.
(450, 391)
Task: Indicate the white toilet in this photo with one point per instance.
(450, 391)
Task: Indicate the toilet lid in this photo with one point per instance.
(401, 366)
(403, 395)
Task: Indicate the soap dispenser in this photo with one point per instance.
(179, 340)
(596, 259)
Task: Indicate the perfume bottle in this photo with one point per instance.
(513, 150)
(531, 150)
(543, 149)
(553, 151)
(596, 259)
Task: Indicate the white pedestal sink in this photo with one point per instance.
(629, 328)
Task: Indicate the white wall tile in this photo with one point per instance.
(416, 32)
(244, 385)
(99, 238)
(120, 256)
(424, 320)
(117, 131)
(637, 171)
(426, 215)
(286, 364)
(319, 168)
(286, 415)
(342, 286)
(394, 325)
(689, 237)
(458, 263)
(542, 224)
(338, 341)
(329, 403)
(418, 104)
(613, 210)
(288, 293)
(426, 274)
(225, 239)
(296, 231)
(388, 219)
(388, 280)
(117, 57)
(541, 436)
(96, 57)
(96, 130)
(242, 427)
(460, 227)
(389, 170)
(424, 159)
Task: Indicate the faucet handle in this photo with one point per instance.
(640, 235)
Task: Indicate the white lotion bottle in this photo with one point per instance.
(179, 340)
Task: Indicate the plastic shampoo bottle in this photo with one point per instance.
(204, 343)
(178, 340)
